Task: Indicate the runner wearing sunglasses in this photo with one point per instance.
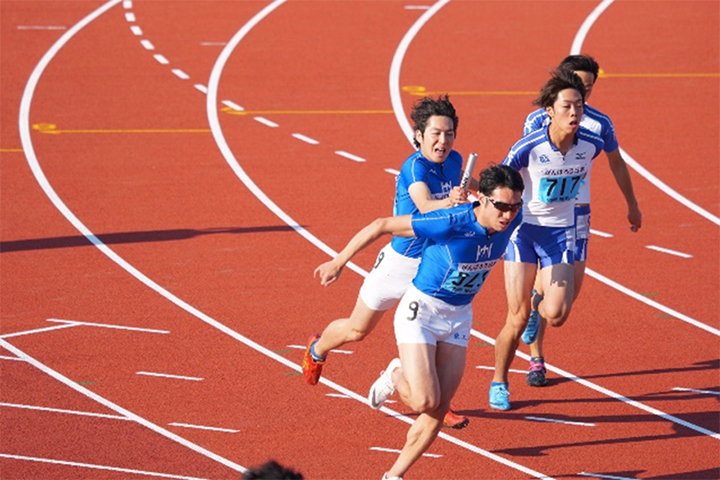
(553, 162)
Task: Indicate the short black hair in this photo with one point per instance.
(426, 107)
(561, 78)
(270, 470)
(500, 176)
(581, 63)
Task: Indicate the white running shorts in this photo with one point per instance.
(388, 280)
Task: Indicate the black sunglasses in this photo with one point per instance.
(506, 207)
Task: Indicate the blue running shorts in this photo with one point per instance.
(549, 245)
(582, 231)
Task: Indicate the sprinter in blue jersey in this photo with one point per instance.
(553, 163)
(434, 318)
(587, 69)
(429, 180)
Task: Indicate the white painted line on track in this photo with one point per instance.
(130, 17)
(161, 59)
(168, 375)
(201, 88)
(392, 171)
(668, 251)
(38, 330)
(213, 44)
(350, 156)
(233, 105)
(554, 420)
(265, 121)
(15, 359)
(608, 477)
(127, 4)
(336, 395)
(137, 31)
(303, 347)
(394, 450)
(60, 410)
(305, 139)
(98, 467)
(695, 390)
(416, 7)
(180, 74)
(601, 234)
(106, 325)
(147, 44)
(203, 427)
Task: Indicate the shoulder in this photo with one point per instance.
(591, 137)
(535, 120)
(596, 114)
(528, 142)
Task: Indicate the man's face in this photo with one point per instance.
(500, 209)
(567, 110)
(437, 140)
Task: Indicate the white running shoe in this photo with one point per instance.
(383, 386)
(385, 477)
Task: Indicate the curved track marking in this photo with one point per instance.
(576, 49)
(24, 126)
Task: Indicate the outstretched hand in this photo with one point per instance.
(328, 272)
(458, 195)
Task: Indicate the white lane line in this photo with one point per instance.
(392, 171)
(38, 330)
(601, 234)
(98, 467)
(394, 450)
(214, 121)
(651, 303)
(576, 49)
(15, 359)
(305, 139)
(213, 44)
(31, 157)
(266, 122)
(147, 44)
(203, 427)
(554, 420)
(60, 410)
(137, 31)
(416, 7)
(233, 105)
(130, 17)
(303, 347)
(336, 395)
(127, 4)
(201, 87)
(161, 59)
(350, 156)
(694, 390)
(668, 251)
(180, 74)
(486, 367)
(168, 375)
(608, 477)
(106, 325)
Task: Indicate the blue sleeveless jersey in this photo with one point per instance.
(440, 179)
(459, 253)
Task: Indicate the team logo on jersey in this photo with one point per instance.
(580, 155)
(484, 251)
(544, 159)
(469, 234)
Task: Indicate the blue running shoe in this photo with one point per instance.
(531, 330)
(499, 396)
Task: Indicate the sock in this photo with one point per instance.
(495, 384)
(314, 355)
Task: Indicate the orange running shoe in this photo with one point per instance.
(312, 369)
(453, 420)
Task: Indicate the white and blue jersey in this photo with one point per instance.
(552, 180)
(440, 179)
(592, 119)
(459, 253)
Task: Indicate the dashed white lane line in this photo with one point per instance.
(97, 467)
(392, 171)
(147, 44)
(394, 450)
(233, 105)
(305, 139)
(266, 122)
(694, 390)
(201, 87)
(668, 251)
(137, 31)
(350, 156)
(203, 427)
(60, 410)
(41, 27)
(601, 234)
(167, 375)
(180, 74)
(555, 420)
(161, 59)
(129, 16)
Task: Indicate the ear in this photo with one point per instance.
(550, 111)
(418, 136)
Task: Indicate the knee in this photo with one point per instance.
(557, 317)
(424, 403)
(356, 335)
